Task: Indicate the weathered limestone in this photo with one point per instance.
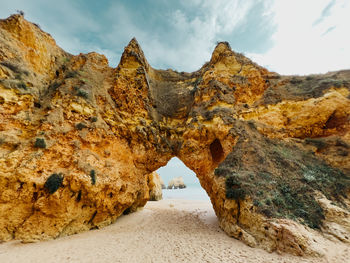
(79, 140)
(177, 182)
(155, 187)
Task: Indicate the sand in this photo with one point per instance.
(164, 231)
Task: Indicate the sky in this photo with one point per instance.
(286, 36)
(175, 168)
(289, 37)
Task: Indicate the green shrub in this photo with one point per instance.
(37, 104)
(93, 177)
(318, 143)
(80, 126)
(54, 86)
(127, 211)
(40, 143)
(197, 82)
(252, 124)
(267, 212)
(232, 181)
(11, 66)
(309, 176)
(82, 93)
(233, 189)
(93, 119)
(79, 196)
(257, 203)
(299, 204)
(332, 182)
(71, 74)
(53, 182)
(266, 176)
(235, 193)
(220, 172)
(278, 201)
(20, 12)
(22, 85)
(340, 142)
(268, 201)
(37, 25)
(259, 193)
(295, 80)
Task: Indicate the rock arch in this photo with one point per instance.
(256, 140)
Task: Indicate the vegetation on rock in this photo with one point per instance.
(40, 143)
(93, 177)
(282, 179)
(53, 182)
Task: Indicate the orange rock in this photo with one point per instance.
(155, 187)
(271, 151)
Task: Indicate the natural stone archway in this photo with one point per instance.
(79, 139)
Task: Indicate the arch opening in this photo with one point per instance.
(176, 168)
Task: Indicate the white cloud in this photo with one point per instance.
(302, 46)
(190, 37)
(63, 20)
(196, 35)
(312, 36)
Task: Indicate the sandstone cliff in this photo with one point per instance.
(176, 182)
(155, 187)
(78, 140)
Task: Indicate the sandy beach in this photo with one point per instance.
(164, 231)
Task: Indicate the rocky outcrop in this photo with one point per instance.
(162, 183)
(78, 141)
(155, 187)
(176, 183)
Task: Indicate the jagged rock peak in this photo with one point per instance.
(14, 18)
(133, 49)
(19, 26)
(33, 47)
(222, 47)
(224, 50)
(220, 50)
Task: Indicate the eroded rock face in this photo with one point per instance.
(78, 141)
(155, 187)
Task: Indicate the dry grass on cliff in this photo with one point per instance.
(300, 88)
(282, 179)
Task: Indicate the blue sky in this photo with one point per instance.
(290, 37)
(174, 168)
(286, 36)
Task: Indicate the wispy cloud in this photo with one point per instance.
(330, 29)
(325, 13)
(186, 33)
(64, 20)
(286, 36)
(300, 46)
(178, 35)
